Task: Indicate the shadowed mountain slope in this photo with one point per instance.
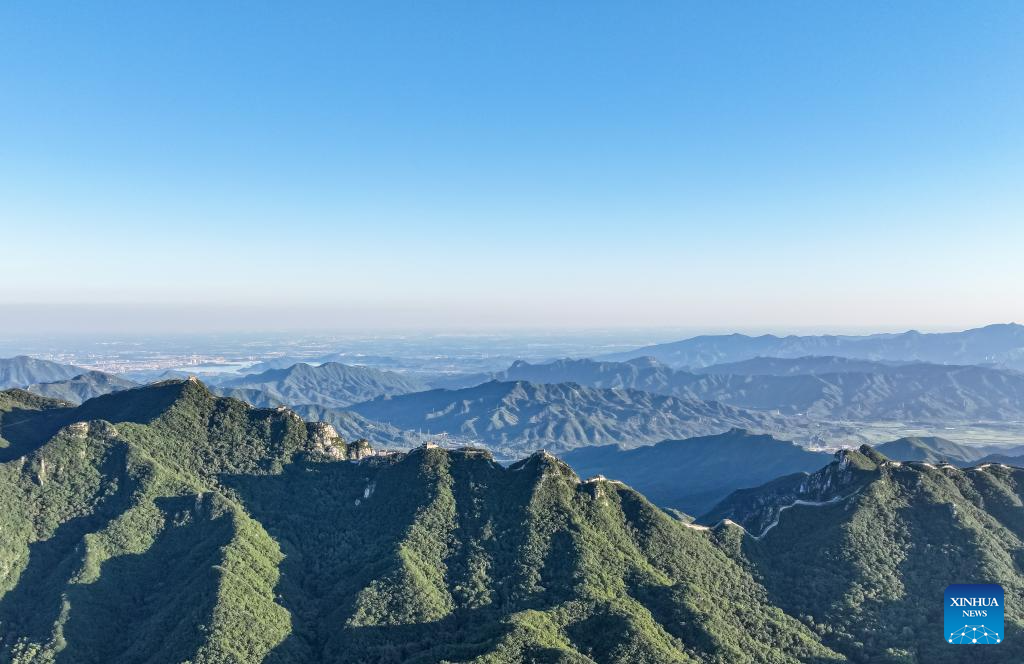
(692, 475)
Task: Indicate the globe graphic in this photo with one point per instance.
(974, 634)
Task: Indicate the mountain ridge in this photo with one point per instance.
(83, 387)
(331, 384)
(157, 542)
(909, 391)
(1001, 343)
(518, 416)
(694, 474)
(200, 529)
(22, 370)
(856, 547)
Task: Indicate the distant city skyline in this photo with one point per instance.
(804, 167)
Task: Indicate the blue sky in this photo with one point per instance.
(533, 164)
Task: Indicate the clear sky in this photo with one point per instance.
(746, 165)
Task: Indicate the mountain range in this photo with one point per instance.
(511, 417)
(1001, 344)
(812, 365)
(21, 371)
(82, 387)
(332, 385)
(822, 388)
(351, 359)
(165, 524)
(932, 449)
(861, 391)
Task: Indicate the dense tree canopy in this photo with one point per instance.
(163, 524)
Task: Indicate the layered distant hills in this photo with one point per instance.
(82, 387)
(932, 449)
(812, 365)
(575, 402)
(825, 388)
(517, 416)
(994, 344)
(59, 381)
(351, 359)
(512, 418)
(332, 385)
(165, 524)
(21, 371)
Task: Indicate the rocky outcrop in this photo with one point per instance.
(359, 449)
(324, 443)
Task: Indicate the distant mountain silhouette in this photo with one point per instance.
(83, 387)
(932, 449)
(22, 371)
(912, 391)
(351, 359)
(1001, 344)
(332, 385)
(813, 365)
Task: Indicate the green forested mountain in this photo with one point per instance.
(694, 474)
(862, 550)
(22, 400)
(347, 423)
(164, 524)
(186, 527)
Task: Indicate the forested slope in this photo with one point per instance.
(164, 524)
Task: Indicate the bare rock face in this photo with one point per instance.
(324, 441)
(92, 428)
(359, 449)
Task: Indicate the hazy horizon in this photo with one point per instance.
(390, 166)
(93, 323)
(98, 320)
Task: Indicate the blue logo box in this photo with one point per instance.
(973, 614)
